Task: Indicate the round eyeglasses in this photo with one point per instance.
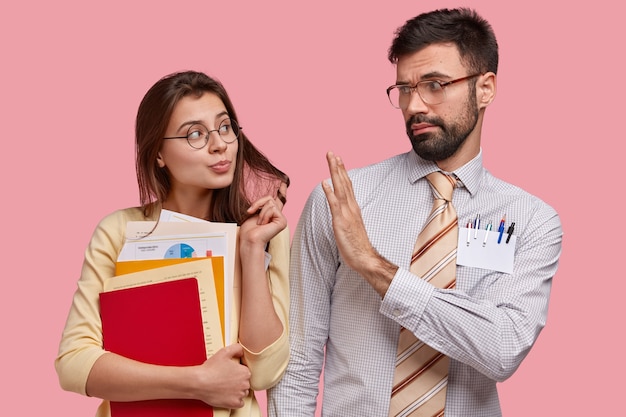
(430, 91)
(198, 134)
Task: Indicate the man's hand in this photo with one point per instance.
(352, 241)
(350, 234)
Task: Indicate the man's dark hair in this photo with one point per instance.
(472, 35)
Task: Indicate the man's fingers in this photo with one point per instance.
(342, 172)
(330, 195)
(336, 176)
(342, 184)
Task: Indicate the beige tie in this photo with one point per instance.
(421, 376)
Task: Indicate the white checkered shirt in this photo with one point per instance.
(486, 325)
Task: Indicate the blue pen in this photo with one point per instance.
(501, 228)
(487, 230)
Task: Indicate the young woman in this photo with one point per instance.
(193, 158)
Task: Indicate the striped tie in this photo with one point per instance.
(421, 376)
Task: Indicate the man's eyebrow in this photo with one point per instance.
(433, 75)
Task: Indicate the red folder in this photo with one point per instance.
(160, 324)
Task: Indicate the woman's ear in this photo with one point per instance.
(486, 89)
(160, 160)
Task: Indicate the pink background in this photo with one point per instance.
(305, 78)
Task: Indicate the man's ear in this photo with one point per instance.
(486, 89)
(160, 160)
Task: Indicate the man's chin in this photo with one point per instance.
(422, 147)
(429, 153)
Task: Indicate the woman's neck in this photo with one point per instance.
(192, 205)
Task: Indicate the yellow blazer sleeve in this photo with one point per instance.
(268, 366)
(81, 341)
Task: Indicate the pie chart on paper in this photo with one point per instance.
(180, 250)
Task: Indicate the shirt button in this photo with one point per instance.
(396, 312)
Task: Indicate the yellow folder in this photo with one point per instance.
(127, 267)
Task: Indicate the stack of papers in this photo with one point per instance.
(170, 301)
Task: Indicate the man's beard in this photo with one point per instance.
(441, 145)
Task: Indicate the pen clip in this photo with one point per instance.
(487, 230)
(509, 232)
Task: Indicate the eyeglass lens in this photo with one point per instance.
(431, 92)
(198, 135)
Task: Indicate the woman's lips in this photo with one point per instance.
(221, 167)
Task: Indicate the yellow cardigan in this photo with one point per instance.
(81, 342)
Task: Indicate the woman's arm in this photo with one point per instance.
(83, 366)
(259, 324)
(266, 356)
(221, 381)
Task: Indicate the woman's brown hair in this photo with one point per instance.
(252, 168)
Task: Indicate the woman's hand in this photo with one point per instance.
(266, 223)
(281, 195)
(224, 381)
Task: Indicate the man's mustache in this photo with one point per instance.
(416, 119)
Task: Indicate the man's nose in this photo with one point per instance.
(416, 104)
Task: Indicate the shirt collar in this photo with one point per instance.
(469, 174)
